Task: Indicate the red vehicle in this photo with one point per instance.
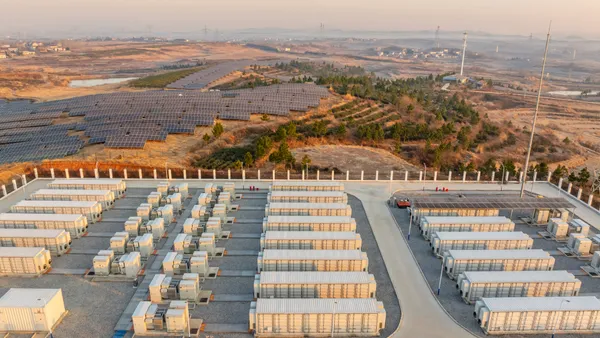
(403, 202)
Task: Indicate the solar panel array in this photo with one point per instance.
(504, 203)
(129, 119)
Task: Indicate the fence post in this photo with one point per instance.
(24, 180)
(81, 173)
(406, 176)
(35, 173)
(347, 175)
(506, 176)
(184, 174)
(478, 176)
(549, 176)
(125, 173)
(391, 175)
(333, 175)
(14, 184)
(590, 200)
(288, 175)
(464, 176)
(273, 175)
(140, 174)
(421, 175)
(435, 176)
(67, 173)
(450, 176)
(493, 176)
(110, 174)
(52, 173)
(579, 192)
(199, 174)
(560, 182)
(303, 174)
(534, 176)
(318, 174)
(214, 174)
(376, 175)
(154, 173)
(96, 173)
(569, 188)
(243, 174)
(4, 190)
(258, 174)
(170, 175)
(229, 174)
(521, 176)
(362, 175)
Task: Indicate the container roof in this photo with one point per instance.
(307, 205)
(515, 203)
(508, 235)
(31, 233)
(467, 220)
(300, 235)
(17, 297)
(519, 276)
(65, 204)
(315, 277)
(311, 193)
(71, 192)
(88, 181)
(299, 305)
(312, 254)
(309, 219)
(542, 303)
(19, 251)
(499, 254)
(40, 217)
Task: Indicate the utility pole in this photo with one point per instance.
(462, 65)
(437, 37)
(535, 114)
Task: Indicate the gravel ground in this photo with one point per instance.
(234, 263)
(94, 308)
(223, 313)
(244, 228)
(385, 289)
(241, 244)
(248, 214)
(72, 262)
(109, 226)
(99, 243)
(449, 296)
(230, 285)
(251, 202)
(132, 202)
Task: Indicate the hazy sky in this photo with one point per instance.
(495, 16)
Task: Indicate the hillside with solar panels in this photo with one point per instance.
(38, 131)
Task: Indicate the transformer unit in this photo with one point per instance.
(205, 199)
(579, 226)
(181, 188)
(308, 209)
(154, 199)
(163, 189)
(91, 210)
(156, 227)
(102, 262)
(163, 287)
(192, 227)
(199, 213)
(579, 244)
(76, 225)
(595, 244)
(129, 265)
(558, 228)
(143, 244)
(165, 212)
(153, 319)
(105, 197)
(224, 198)
(220, 210)
(118, 242)
(210, 188)
(175, 200)
(177, 264)
(144, 211)
(543, 216)
(132, 225)
(213, 225)
(187, 244)
(230, 188)
(117, 186)
(596, 261)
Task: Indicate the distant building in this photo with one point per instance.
(27, 53)
(2, 55)
(455, 78)
(14, 50)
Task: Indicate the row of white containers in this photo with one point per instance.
(313, 277)
(511, 284)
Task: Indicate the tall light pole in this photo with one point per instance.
(535, 114)
(556, 320)
(441, 277)
(333, 318)
(462, 65)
